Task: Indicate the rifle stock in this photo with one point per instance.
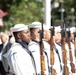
(75, 43)
(63, 46)
(64, 56)
(42, 52)
(42, 59)
(70, 52)
(71, 58)
(53, 71)
(75, 47)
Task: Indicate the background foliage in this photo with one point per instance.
(27, 11)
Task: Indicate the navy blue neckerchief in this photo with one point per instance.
(58, 43)
(48, 42)
(25, 45)
(36, 41)
(72, 41)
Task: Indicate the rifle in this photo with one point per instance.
(70, 51)
(63, 44)
(42, 52)
(53, 71)
(75, 42)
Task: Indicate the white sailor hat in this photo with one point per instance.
(46, 27)
(19, 27)
(35, 25)
(58, 29)
(72, 29)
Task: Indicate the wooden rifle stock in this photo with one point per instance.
(42, 59)
(53, 71)
(75, 47)
(70, 52)
(64, 55)
(75, 43)
(42, 52)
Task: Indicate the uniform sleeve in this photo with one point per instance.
(34, 48)
(21, 63)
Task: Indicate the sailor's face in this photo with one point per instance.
(57, 36)
(37, 32)
(47, 35)
(72, 36)
(25, 35)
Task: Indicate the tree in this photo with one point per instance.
(21, 11)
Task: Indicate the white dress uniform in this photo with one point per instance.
(19, 60)
(35, 49)
(60, 53)
(73, 55)
(47, 57)
(57, 62)
(56, 65)
(68, 58)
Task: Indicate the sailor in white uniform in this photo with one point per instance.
(19, 57)
(59, 50)
(35, 49)
(72, 30)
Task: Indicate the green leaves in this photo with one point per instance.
(22, 11)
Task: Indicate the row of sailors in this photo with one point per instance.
(21, 63)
